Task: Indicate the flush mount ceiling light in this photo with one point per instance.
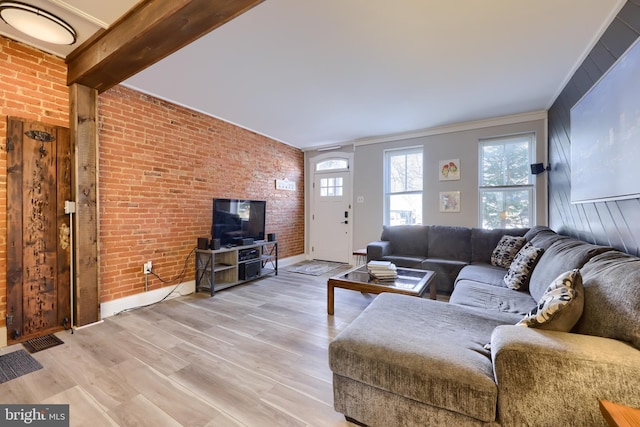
(37, 23)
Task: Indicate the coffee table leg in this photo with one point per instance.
(433, 290)
(329, 298)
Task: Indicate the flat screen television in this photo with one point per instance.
(605, 135)
(237, 219)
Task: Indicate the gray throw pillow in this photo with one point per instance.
(520, 270)
(560, 307)
(506, 250)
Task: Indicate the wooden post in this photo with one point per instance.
(84, 138)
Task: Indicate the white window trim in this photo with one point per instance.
(387, 153)
(532, 182)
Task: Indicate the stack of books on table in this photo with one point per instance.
(382, 270)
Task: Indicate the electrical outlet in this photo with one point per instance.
(146, 267)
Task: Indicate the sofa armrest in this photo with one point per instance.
(556, 378)
(376, 250)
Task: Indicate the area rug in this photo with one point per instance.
(42, 343)
(17, 364)
(314, 268)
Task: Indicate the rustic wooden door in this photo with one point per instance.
(39, 164)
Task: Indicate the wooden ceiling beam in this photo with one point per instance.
(151, 31)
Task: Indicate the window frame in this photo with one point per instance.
(388, 154)
(530, 137)
(334, 187)
(318, 165)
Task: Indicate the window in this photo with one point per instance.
(506, 187)
(403, 186)
(331, 187)
(332, 164)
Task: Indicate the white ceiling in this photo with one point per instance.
(324, 72)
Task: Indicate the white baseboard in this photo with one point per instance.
(110, 308)
(285, 262)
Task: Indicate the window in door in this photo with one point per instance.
(332, 165)
(403, 186)
(331, 187)
(506, 188)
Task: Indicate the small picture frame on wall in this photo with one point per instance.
(449, 170)
(449, 201)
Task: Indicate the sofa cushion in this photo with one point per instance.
(533, 231)
(543, 237)
(449, 242)
(484, 241)
(409, 240)
(612, 297)
(506, 250)
(565, 254)
(519, 272)
(561, 305)
(404, 261)
(483, 273)
(446, 270)
(424, 350)
(488, 297)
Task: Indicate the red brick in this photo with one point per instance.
(160, 167)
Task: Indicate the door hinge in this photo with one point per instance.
(9, 146)
(9, 320)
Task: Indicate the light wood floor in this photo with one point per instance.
(253, 355)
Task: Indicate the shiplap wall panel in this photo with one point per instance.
(613, 223)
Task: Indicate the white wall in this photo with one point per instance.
(454, 142)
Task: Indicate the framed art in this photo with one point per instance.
(449, 201)
(449, 170)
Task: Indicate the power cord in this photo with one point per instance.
(181, 274)
(178, 278)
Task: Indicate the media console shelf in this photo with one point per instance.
(222, 268)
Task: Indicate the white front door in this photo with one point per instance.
(331, 217)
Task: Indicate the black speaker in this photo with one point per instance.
(250, 270)
(271, 237)
(203, 243)
(215, 244)
(537, 168)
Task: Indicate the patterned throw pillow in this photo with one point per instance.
(560, 308)
(520, 270)
(506, 250)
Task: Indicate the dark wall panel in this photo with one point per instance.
(615, 223)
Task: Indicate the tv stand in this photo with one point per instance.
(229, 266)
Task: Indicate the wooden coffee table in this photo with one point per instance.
(410, 281)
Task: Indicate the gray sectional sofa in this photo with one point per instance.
(409, 361)
(443, 249)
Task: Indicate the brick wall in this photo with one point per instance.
(160, 167)
(32, 86)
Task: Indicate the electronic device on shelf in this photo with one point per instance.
(237, 221)
(249, 270)
(247, 254)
